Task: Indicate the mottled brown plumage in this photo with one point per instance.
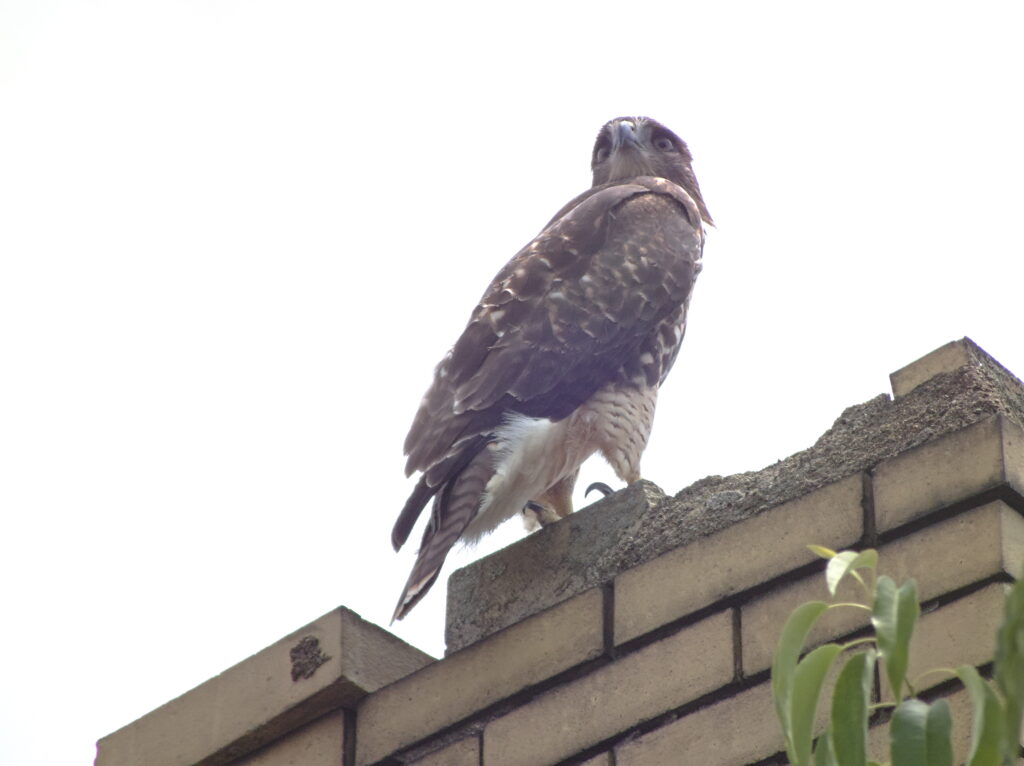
(564, 353)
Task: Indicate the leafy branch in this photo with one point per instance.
(919, 732)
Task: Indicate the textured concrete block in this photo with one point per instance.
(694, 576)
(948, 358)
(947, 470)
(712, 735)
(465, 752)
(331, 663)
(448, 691)
(637, 687)
(941, 558)
(547, 567)
(320, 743)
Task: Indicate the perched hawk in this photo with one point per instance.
(564, 354)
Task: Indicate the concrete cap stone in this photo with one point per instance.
(329, 664)
(952, 356)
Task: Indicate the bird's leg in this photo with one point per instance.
(551, 505)
(558, 496)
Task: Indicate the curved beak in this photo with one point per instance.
(624, 134)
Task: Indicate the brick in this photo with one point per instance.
(947, 470)
(948, 358)
(958, 551)
(1013, 454)
(465, 752)
(943, 557)
(761, 620)
(479, 675)
(641, 685)
(959, 633)
(709, 736)
(340, 659)
(738, 557)
(320, 743)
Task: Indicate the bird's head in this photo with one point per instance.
(628, 147)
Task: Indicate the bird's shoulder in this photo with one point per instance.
(599, 200)
(582, 228)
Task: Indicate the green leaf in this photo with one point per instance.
(846, 562)
(908, 739)
(893, 615)
(851, 699)
(987, 720)
(784, 664)
(1009, 669)
(821, 551)
(919, 734)
(938, 734)
(807, 680)
(823, 753)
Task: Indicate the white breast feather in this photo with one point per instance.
(530, 454)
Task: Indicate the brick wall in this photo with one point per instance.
(640, 631)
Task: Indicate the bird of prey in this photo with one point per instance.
(564, 353)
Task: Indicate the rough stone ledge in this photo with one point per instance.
(635, 525)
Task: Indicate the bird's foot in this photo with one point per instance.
(536, 516)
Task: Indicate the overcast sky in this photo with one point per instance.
(235, 238)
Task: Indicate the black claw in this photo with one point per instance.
(601, 487)
(535, 507)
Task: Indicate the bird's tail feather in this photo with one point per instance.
(413, 507)
(432, 480)
(455, 506)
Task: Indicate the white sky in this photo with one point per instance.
(235, 238)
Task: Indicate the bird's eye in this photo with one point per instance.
(601, 152)
(664, 144)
